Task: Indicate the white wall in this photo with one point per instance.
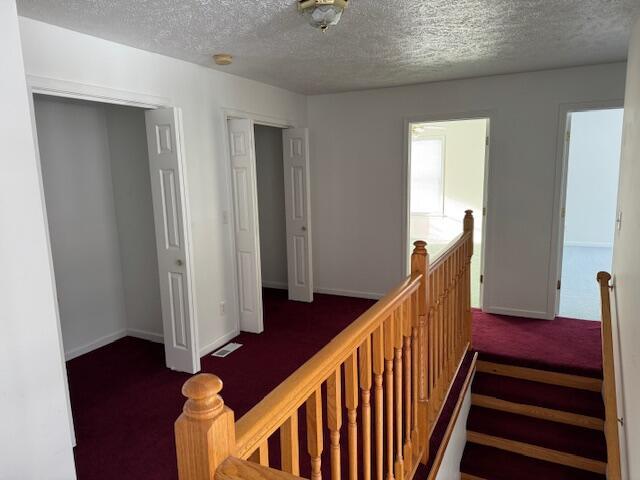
(626, 261)
(35, 437)
(592, 179)
(201, 93)
(450, 466)
(271, 207)
(76, 173)
(357, 162)
(134, 218)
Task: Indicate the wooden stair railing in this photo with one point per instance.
(393, 367)
(609, 382)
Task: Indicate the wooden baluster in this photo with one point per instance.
(397, 377)
(408, 358)
(468, 226)
(314, 433)
(378, 369)
(365, 388)
(388, 382)
(414, 372)
(205, 431)
(334, 420)
(351, 401)
(431, 341)
(289, 449)
(261, 455)
(420, 266)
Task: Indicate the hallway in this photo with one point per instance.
(125, 401)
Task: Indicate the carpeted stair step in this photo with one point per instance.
(487, 463)
(527, 392)
(558, 437)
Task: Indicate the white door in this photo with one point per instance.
(295, 143)
(247, 238)
(172, 239)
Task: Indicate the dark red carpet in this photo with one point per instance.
(564, 344)
(125, 401)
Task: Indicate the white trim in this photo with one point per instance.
(144, 335)
(560, 192)
(258, 118)
(94, 93)
(516, 312)
(589, 244)
(220, 341)
(94, 345)
(277, 285)
(349, 293)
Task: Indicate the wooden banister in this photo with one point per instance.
(390, 370)
(609, 382)
(205, 432)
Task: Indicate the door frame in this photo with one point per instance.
(487, 115)
(560, 192)
(94, 93)
(229, 215)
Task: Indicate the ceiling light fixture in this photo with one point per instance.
(323, 13)
(223, 59)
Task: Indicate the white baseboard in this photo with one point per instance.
(218, 342)
(100, 342)
(514, 312)
(588, 244)
(278, 285)
(349, 293)
(144, 335)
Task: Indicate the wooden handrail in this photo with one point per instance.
(393, 366)
(609, 382)
(268, 415)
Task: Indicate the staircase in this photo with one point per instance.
(531, 424)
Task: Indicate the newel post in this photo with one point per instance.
(420, 266)
(205, 431)
(467, 227)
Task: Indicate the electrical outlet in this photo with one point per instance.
(225, 217)
(222, 308)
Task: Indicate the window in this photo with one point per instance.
(427, 174)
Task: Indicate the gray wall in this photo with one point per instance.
(134, 218)
(357, 144)
(271, 209)
(103, 245)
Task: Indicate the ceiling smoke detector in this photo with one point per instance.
(323, 14)
(223, 59)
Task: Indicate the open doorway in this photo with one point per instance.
(271, 207)
(272, 214)
(447, 165)
(588, 215)
(114, 194)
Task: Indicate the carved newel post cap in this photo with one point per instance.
(603, 276)
(420, 246)
(468, 212)
(202, 391)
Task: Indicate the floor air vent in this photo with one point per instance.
(226, 350)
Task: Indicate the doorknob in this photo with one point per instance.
(179, 263)
(304, 229)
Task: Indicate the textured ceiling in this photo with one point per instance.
(378, 43)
